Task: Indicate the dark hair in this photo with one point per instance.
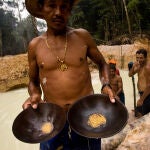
(142, 51)
(112, 66)
(41, 2)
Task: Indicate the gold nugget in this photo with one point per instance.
(47, 127)
(96, 120)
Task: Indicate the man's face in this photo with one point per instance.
(140, 59)
(56, 13)
(112, 72)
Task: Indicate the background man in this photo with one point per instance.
(112, 61)
(142, 68)
(116, 84)
(143, 104)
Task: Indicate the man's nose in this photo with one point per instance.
(58, 11)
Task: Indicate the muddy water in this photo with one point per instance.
(10, 106)
(11, 102)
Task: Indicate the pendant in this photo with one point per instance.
(63, 67)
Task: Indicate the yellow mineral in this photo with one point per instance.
(47, 127)
(96, 120)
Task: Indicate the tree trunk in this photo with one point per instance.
(106, 29)
(19, 11)
(1, 50)
(127, 16)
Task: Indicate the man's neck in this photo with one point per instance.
(55, 32)
(143, 64)
(112, 77)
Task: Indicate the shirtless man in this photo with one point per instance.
(143, 104)
(142, 68)
(139, 68)
(116, 84)
(58, 67)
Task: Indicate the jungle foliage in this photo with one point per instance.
(104, 19)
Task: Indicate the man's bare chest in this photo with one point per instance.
(142, 73)
(51, 59)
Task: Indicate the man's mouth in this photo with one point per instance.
(58, 20)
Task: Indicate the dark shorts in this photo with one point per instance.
(122, 97)
(145, 108)
(69, 140)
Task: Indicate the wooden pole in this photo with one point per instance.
(134, 94)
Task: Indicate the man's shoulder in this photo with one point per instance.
(78, 31)
(81, 34)
(118, 77)
(36, 40)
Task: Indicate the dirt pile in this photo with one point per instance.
(14, 72)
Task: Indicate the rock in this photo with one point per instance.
(135, 136)
(139, 137)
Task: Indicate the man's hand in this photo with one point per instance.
(136, 66)
(107, 90)
(32, 101)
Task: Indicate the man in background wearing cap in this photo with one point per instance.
(116, 84)
(113, 62)
(58, 67)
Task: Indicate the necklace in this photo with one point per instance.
(62, 66)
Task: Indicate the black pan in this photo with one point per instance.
(27, 125)
(116, 116)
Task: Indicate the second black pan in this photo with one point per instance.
(116, 116)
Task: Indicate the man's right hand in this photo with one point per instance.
(32, 101)
(136, 66)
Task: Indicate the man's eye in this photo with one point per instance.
(63, 7)
(52, 5)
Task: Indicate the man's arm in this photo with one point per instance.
(120, 85)
(34, 82)
(131, 72)
(135, 68)
(94, 54)
(34, 89)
